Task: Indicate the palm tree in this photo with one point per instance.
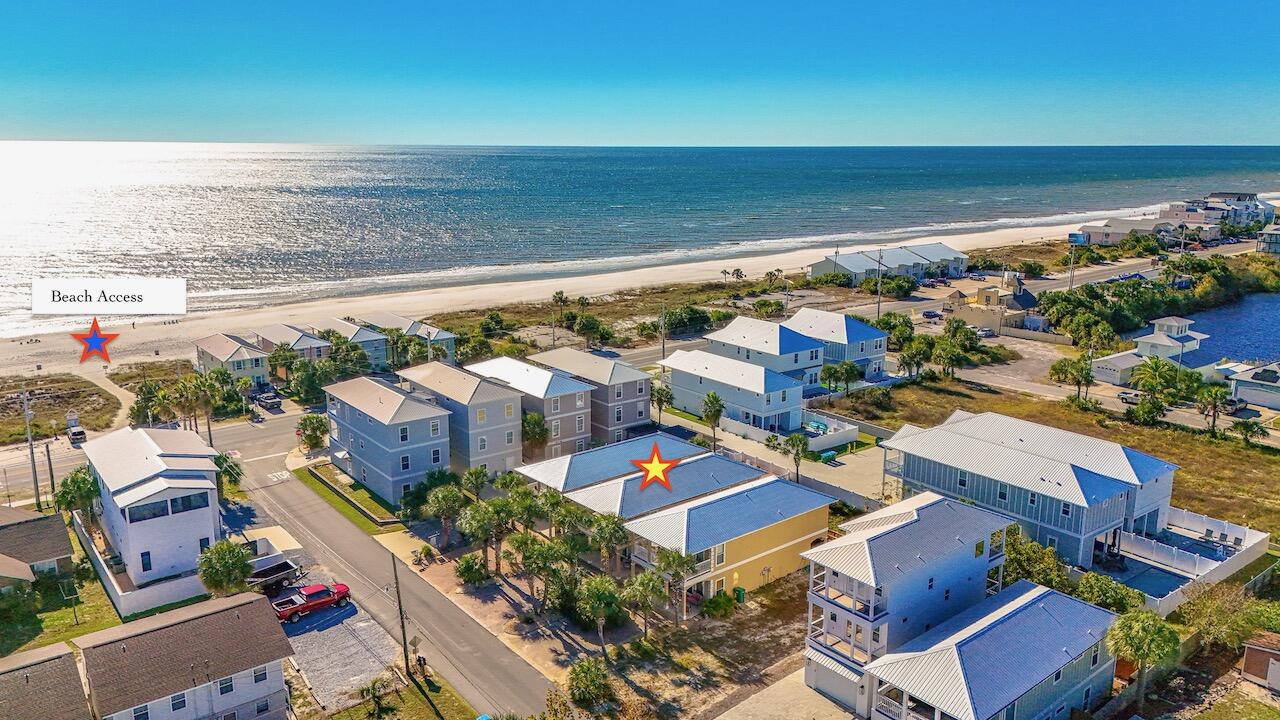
(207, 394)
(644, 592)
(376, 693)
(830, 376)
(561, 301)
(224, 567)
(850, 373)
(1145, 639)
(1212, 400)
(1155, 376)
(549, 504)
(676, 566)
(444, 503)
(1248, 430)
(474, 480)
(533, 430)
(394, 339)
(913, 357)
(609, 537)
(282, 358)
(243, 386)
(571, 519)
(229, 472)
(726, 273)
(597, 599)
(531, 557)
(712, 409)
(480, 521)
(162, 405)
(947, 356)
(771, 277)
(795, 446)
(77, 491)
(661, 396)
(738, 274)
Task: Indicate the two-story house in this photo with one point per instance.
(1170, 338)
(1027, 653)
(563, 402)
(484, 416)
(1067, 491)
(31, 543)
(385, 437)
(941, 260)
(895, 573)
(371, 341)
(43, 684)
(440, 343)
(157, 493)
(752, 395)
(620, 394)
(234, 354)
(771, 346)
(844, 339)
(307, 345)
(221, 659)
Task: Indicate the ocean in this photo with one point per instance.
(250, 225)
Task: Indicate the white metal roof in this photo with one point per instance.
(589, 366)
(125, 458)
(383, 401)
(730, 371)
(937, 252)
(529, 379)
(408, 326)
(764, 336)
(291, 336)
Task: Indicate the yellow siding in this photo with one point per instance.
(781, 545)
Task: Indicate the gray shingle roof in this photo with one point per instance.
(181, 649)
(588, 366)
(383, 401)
(42, 683)
(33, 537)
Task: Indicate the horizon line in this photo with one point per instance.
(689, 146)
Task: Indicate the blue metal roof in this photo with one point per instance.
(606, 462)
(688, 480)
(1198, 358)
(736, 515)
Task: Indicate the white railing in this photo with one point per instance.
(1167, 555)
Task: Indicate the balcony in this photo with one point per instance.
(841, 647)
(866, 605)
(893, 467)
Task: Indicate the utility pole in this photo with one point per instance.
(429, 338)
(48, 456)
(879, 278)
(404, 635)
(31, 448)
(1071, 268)
(662, 330)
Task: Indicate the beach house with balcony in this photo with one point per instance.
(219, 659)
(234, 354)
(1170, 338)
(484, 416)
(1246, 207)
(1112, 230)
(771, 346)
(385, 437)
(31, 544)
(620, 394)
(895, 573)
(753, 395)
(307, 345)
(371, 341)
(941, 260)
(43, 683)
(157, 494)
(441, 343)
(1027, 653)
(563, 401)
(844, 339)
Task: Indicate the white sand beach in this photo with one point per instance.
(58, 352)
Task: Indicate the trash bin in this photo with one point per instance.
(740, 594)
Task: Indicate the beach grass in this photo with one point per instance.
(1044, 252)
(1218, 476)
(131, 375)
(52, 396)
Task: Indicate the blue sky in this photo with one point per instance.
(639, 73)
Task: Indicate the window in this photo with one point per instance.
(555, 428)
(1057, 676)
(177, 702)
(257, 362)
(580, 445)
(930, 583)
(617, 414)
(617, 392)
(640, 409)
(719, 586)
(148, 511)
(963, 479)
(404, 462)
(226, 685)
(481, 416)
(263, 706)
(1002, 492)
(795, 358)
(833, 617)
(1088, 695)
(511, 437)
(617, 436)
(435, 455)
(1051, 542)
(580, 423)
(862, 347)
(435, 428)
(146, 562)
(979, 547)
(204, 544)
(404, 434)
(555, 404)
(639, 387)
(720, 554)
(579, 400)
(141, 713)
(784, 396)
(260, 674)
(404, 490)
(364, 474)
(1031, 499)
(813, 354)
(482, 443)
(1066, 509)
(768, 399)
(1093, 659)
(946, 594)
(195, 501)
(229, 716)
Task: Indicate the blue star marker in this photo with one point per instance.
(95, 342)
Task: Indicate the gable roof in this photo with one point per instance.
(700, 524)
(529, 379)
(126, 457)
(985, 657)
(408, 326)
(589, 366)
(894, 257)
(1020, 454)
(291, 336)
(907, 536)
(181, 649)
(834, 327)
(936, 252)
(33, 537)
(730, 371)
(225, 347)
(854, 262)
(456, 383)
(43, 683)
(691, 478)
(764, 336)
(349, 330)
(383, 401)
(571, 472)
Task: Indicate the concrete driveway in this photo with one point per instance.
(787, 699)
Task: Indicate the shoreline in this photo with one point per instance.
(153, 339)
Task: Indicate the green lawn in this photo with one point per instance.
(344, 507)
(1235, 706)
(438, 702)
(687, 416)
(1250, 571)
(56, 620)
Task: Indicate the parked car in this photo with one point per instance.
(76, 435)
(1129, 397)
(944, 281)
(269, 401)
(273, 578)
(1234, 405)
(310, 599)
(986, 333)
(931, 314)
(929, 283)
(977, 276)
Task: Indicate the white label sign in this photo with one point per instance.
(109, 296)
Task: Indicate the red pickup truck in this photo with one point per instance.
(309, 599)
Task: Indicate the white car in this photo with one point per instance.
(1129, 397)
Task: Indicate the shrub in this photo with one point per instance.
(589, 682)
(983, 262)
(1149, 411)
(19, 603)
(701, 441)
(898, 286)
(832, 279)
(720, 605)
(719, 316)
(470, 570)
(1031, 268)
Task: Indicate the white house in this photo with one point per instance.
(1171, 338)
(233, 353)
(941, 260)
(752, 394)
(857, 265)
(896, 573)
(157, 493)
(221, 659)
(771, 346)
(1258, 386)
(917, 261)
(844, 339)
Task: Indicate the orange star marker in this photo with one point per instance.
(655, 469)
(95, 342)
